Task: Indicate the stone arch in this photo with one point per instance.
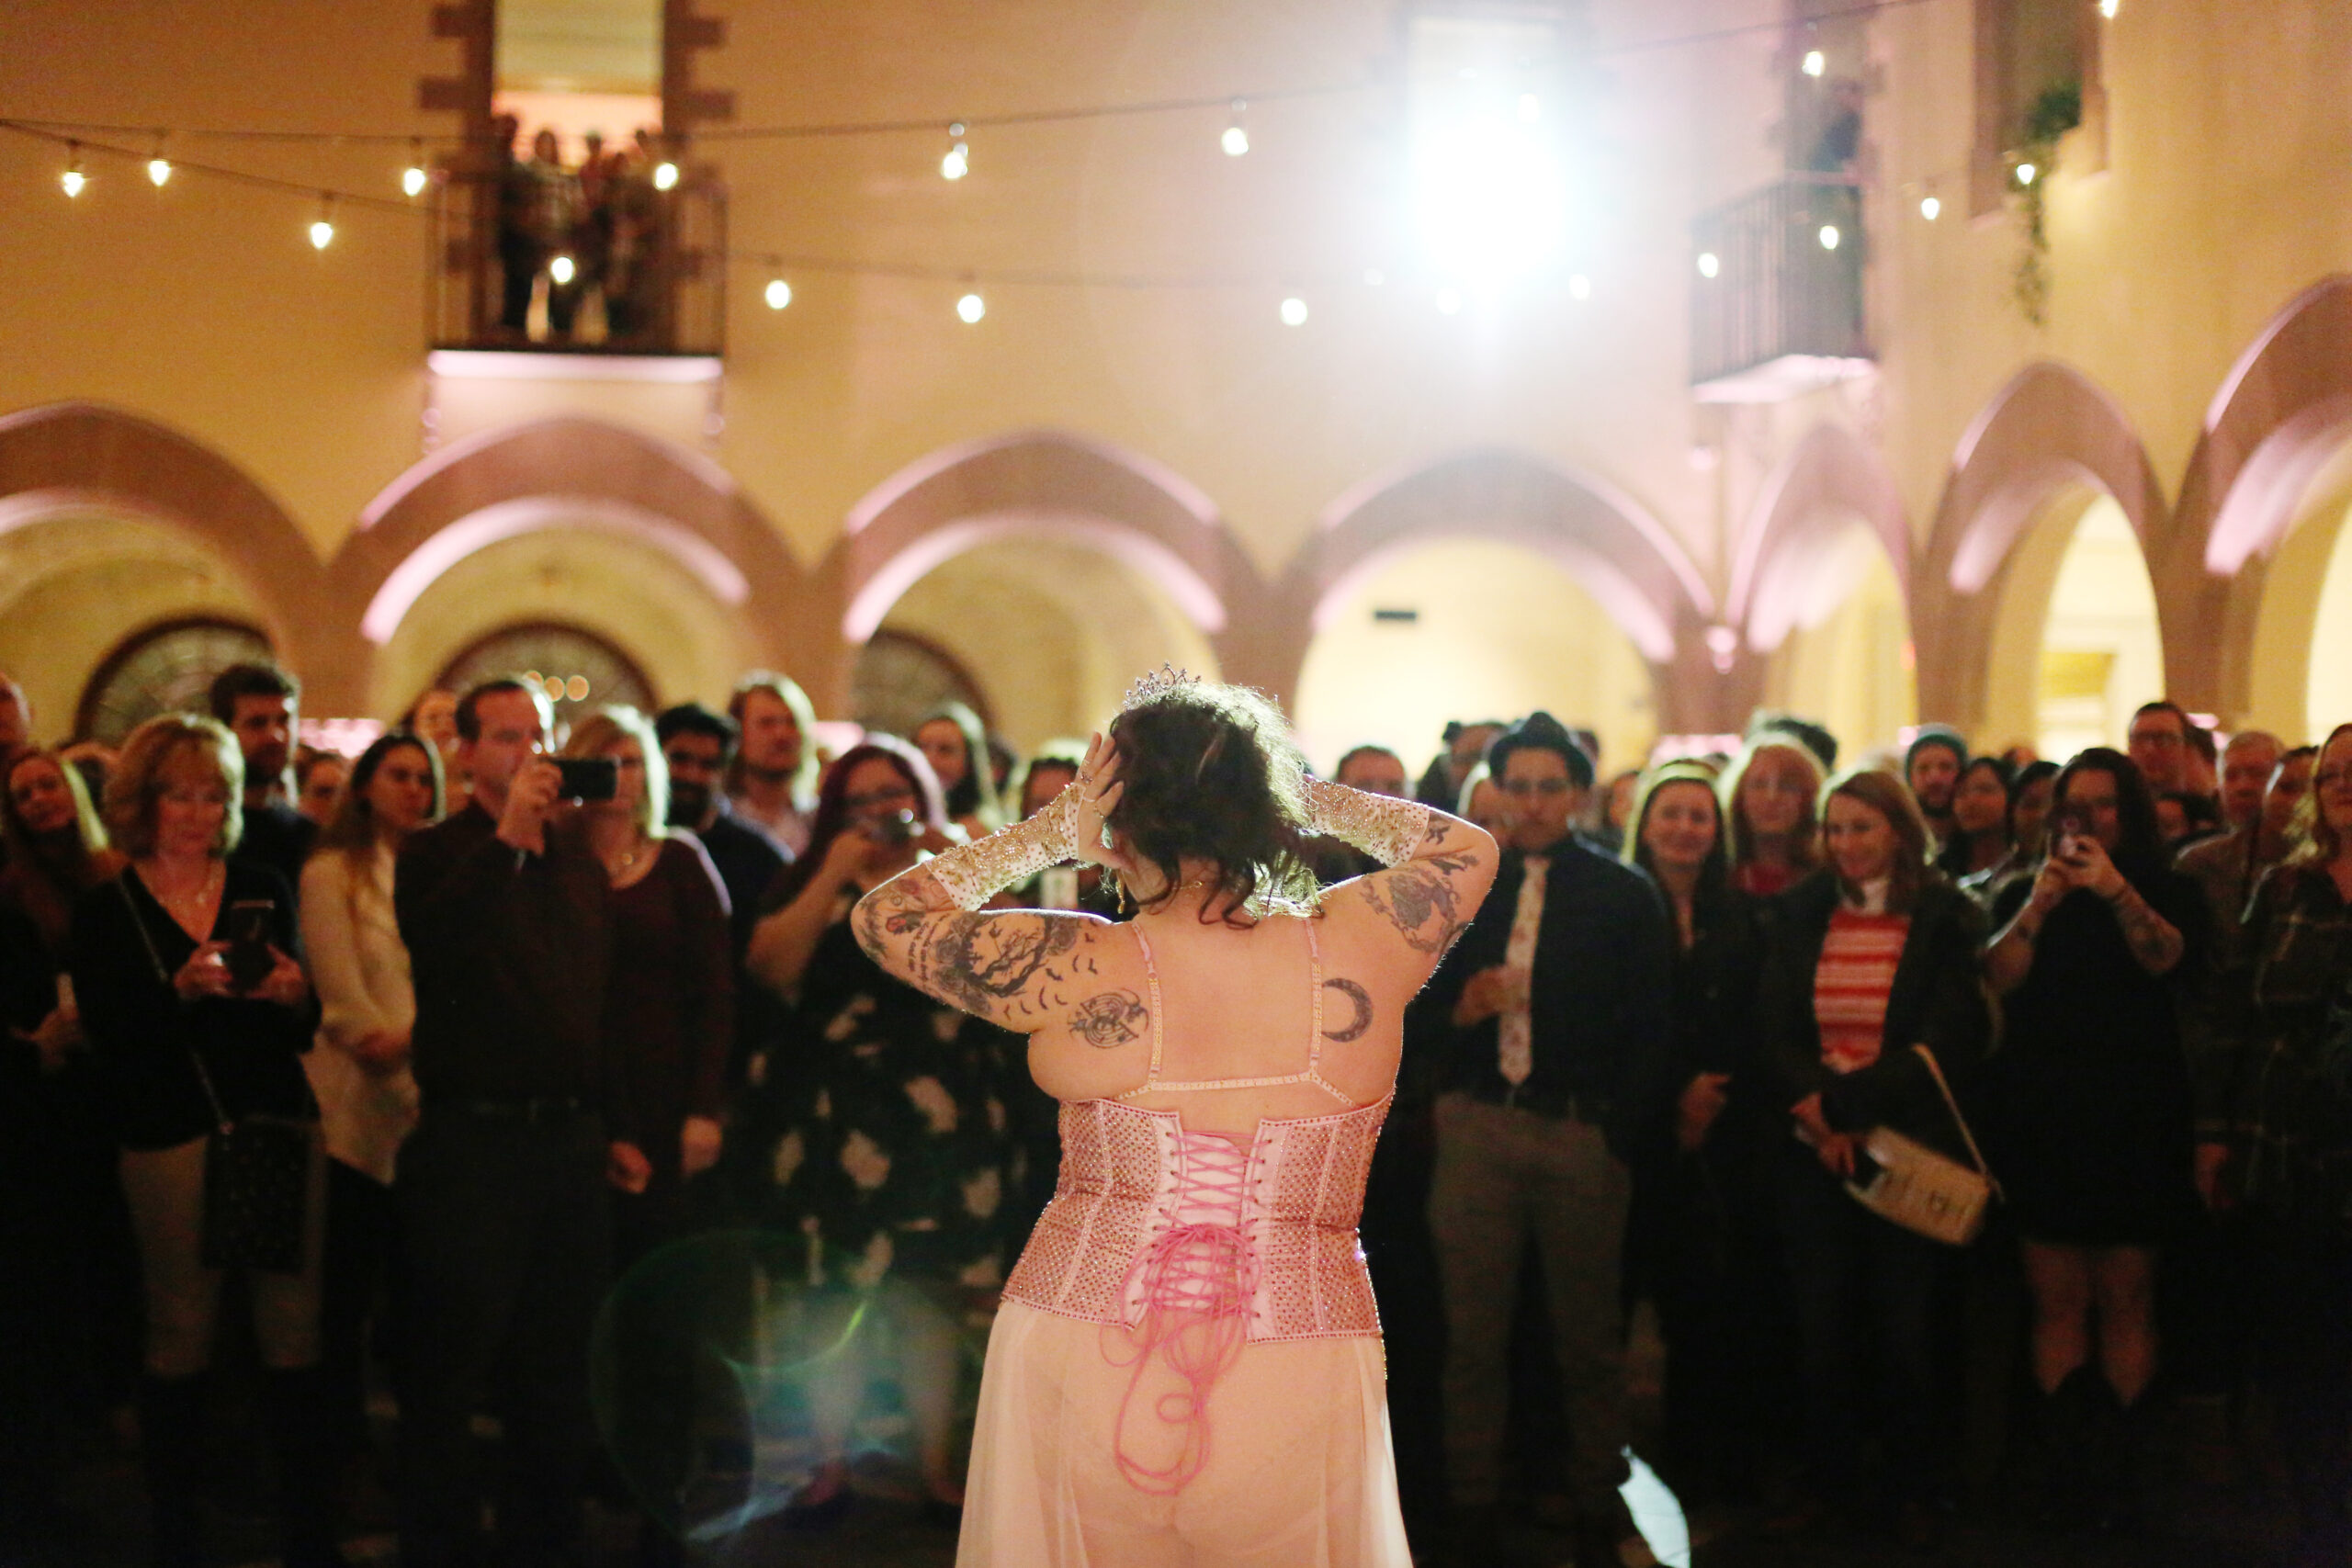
(1613, 545)
(578, 473)
(1827, 479)
(1050, 484)
(87, 455)
(2049, 429)
(2279, 421)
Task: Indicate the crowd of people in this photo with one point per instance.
(432, 1062)
(578, 232)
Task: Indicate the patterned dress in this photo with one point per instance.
(889, 1152)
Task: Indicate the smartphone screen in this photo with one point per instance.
(249, 957)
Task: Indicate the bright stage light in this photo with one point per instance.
(1490, 195)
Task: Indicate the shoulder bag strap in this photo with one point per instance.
(1944, 1088)
(147, 940)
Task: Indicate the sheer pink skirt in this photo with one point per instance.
(1297, 1473)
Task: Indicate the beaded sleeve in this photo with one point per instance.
(1386, 829)
(973, 874)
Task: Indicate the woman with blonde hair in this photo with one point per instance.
(2276, 1135)
(669, 1023)
(184, 965)
(1187, 1365)
(1768, 796)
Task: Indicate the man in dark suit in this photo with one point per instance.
(1556, 1003)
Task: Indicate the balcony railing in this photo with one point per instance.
(1778, 300)
(657, 287)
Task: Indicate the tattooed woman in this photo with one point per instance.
(883, 1125)
(2089, 1103)
(1187, 1365)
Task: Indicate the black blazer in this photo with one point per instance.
(1599, 1010)
(1939, 1000)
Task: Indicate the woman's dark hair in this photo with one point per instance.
(833, 815)
(1954, 862)
(51, 870)
(1714, 873)
(352, 829)
(1211, 773)
(2140, 846)
(974, 795)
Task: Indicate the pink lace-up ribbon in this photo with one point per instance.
(1197, 1281)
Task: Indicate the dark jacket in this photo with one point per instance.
(510, 954)
(1711, 1002)
(1938, 1000)
(126, 949)
(1598, 1010)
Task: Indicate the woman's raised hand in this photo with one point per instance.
(1099, 789)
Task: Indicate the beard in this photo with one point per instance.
(688, 802)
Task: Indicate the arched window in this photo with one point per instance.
(900, 678)
(164, 668)
(578, 667)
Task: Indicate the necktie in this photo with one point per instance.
(1517, 1036)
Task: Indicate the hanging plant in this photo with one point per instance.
(2057, 111)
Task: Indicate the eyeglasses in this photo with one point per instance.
(898, 795)
(1536, 786)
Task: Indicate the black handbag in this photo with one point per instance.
(256, 1169)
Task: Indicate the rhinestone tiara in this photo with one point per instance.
(1167, 678)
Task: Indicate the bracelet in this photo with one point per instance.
(1386, 829)
(973, 874)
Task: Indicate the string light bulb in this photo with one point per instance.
(1930, 207)
(159, 168)
(779, 294)
(322, 227)
(2108, 7)
(958, 161)
(561, 270)
(1709, 265)
(665, 174)
(970, 309)
(1830, 236)
(2026, 173)
(1236, 139)
(413, 177)
(72, 179)
(1294, 312)
(1816, 62)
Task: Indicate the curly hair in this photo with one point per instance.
(1212, 773)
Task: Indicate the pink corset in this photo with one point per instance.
(1297, 1272)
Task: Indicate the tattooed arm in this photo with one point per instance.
(2154, 940)
(1438, 866)
(1023, 969)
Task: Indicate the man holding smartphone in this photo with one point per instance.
(500, 1188)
